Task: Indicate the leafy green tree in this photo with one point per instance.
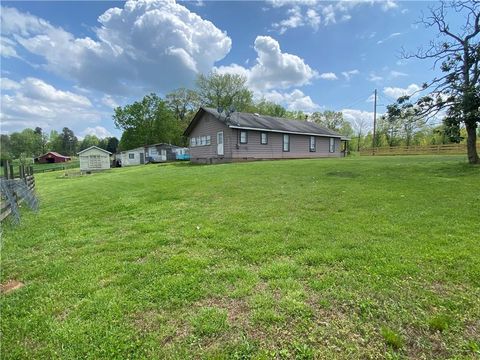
(264, 107)
(222, 91)
(24, 142)
(5, 150)
(147, 121)
(183, 103)
(89, 140)
(458, 89)
(112, 144)
(332, 120)
(68, 141)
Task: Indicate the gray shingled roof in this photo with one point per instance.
(264, 122)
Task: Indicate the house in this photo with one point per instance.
(93, 159)
(218, 137)
(133, 157)
(154, 153)
(161, 152)
(52, 157)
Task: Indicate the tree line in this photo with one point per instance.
(30, 143)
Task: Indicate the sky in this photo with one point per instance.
(71, 63)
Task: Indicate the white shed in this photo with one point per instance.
(133, 157)
(94, 158)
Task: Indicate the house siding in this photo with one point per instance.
(299, 147)
(254, 150)
(209, 125)
(85, 160)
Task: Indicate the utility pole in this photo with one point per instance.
(374, 122)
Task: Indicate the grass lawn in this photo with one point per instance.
(334, 258)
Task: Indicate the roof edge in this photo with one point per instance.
(94, 147)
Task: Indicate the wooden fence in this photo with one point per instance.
(25, 174)
(418, 150)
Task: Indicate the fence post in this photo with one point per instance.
(31, 170)
(5, 169)
(11, 174)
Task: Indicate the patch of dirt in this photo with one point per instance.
(10, 286)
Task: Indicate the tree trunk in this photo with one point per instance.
(472, 144)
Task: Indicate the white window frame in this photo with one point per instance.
(245, 140)
(262, 134)
(313, 144)
(331, 147)
(287, 137)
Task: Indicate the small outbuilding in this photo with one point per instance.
(52, 157)
(133, 157)
(94, 159)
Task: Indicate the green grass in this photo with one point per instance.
(334, 258)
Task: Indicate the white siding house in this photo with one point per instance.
(154, 154)
(94, 158)
(133, 157)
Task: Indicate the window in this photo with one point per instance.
(312, 144)
(243, 137)
(263, 138)
(332, 145)
(131, 155)
(193, 142)
(286, 142)
(199, 141)
(208, 140)
(203, 140)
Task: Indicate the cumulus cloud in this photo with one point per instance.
(98, 131)
(159, 44)
(328, 76)
(396, 92)
(32, 102)
(359, 118)
(295, 100)
(311, 13)
(273, 68)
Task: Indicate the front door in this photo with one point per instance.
(220, 143)
(142, 159)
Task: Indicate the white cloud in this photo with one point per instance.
(8, 84)
(396, 92)
(395, 74)
(313, 13)
(108, 101)
(159, 44)
(7, 48)
(391, 36)
(98, 131)
(32, 102)
(348, 74)
(273, 68)
(328, 76)
(295, 100)
(357, 117)
(374, 77)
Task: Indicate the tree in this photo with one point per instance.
(222, 91)
(41, 141)
(5, 151)
(182, 102)
(359, 125)
(68, 142)
(147, 121)
(332, 120)
(24, 142)
(457, 91)
(89, 140)
(112, 145)
(264, 107)
(404, 116)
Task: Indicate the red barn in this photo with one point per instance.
(52, 157)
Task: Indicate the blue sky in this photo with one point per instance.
(70, 63)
